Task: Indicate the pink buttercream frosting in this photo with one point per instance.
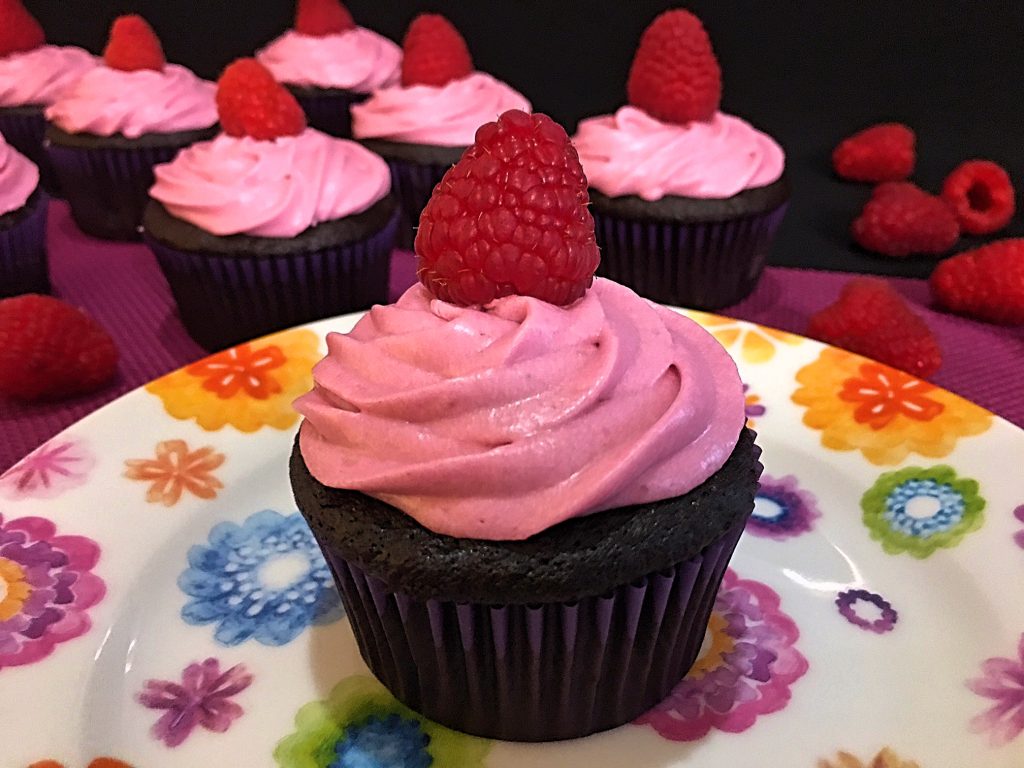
(273, 188)
(41, 75)
(356, 60)
(502, 422)
(444, 116)
(632, 153)
(109, 101)
(19, 178)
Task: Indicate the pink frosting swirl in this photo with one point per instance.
(357, 60)
(445, 116)
(632, 153)
(498, 424)
(41, 75)
(19, 178)
(273, 188)
(108, 101)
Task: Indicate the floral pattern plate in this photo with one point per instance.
(162, 603)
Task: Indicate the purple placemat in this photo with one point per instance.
(122, 287)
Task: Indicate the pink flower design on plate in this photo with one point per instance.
(203, 698)
(1019, 535)
(49, 470)
(1002, 681)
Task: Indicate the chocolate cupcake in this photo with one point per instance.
(23, 208)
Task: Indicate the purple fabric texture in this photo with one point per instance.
(122, 287)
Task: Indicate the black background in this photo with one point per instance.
(807, 72)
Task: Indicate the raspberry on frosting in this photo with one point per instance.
(434, 53)
(19, 30)
(319, 18)
(133, 45)
(251, 102)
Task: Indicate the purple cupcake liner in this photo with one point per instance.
(23, 252)
(24, 128)
(703, 265)
(540, 672)
(328, 110)
(224, 300)
(412, 184)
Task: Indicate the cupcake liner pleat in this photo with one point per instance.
(24, 130)
(23, 266)
(412, 184)
(329, 111)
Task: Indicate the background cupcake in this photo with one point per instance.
(119, 120)
(330, 63)
(22, 225)
(422, 126)
(686, 199)
(272, 223)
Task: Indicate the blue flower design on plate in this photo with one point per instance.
(391, 742)
(941, 507)
(264, 579)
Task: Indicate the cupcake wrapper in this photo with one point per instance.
(224, 300)
(23, 254)
(537, 672)
(329, 111)
(25, 133)
(412, 184)
(701, 265)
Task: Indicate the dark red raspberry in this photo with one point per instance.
(902, 219)
(319, 18)
(251, 102)
(882, 152)
(133, 45)
(510, 217)
(433, 52)
(986, 283)
(19, 30)
(675, 76)
(981, 194)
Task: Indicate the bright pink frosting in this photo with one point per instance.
(273, 188)
(444, 116)
(19, 178)
(109, 101)
(500, 423)
(632, 153)
(357, 60)
(41, 75)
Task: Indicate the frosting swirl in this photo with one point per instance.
(41, 75)
(19, 178)
(278, 188)
(356, 60)
(500, 423)
(108, 101)
(445, 116)
(632, 153)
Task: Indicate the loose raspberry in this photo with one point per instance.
(883, 152)
(901, 219)
(872, 319)
(19, 30)
(986, 283)
(675, 76)
(251, 102)
(50, 350)
(511, 217)
(981, 194)
(319, 18)
(133, 46)
(433, 52)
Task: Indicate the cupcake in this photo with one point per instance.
(32, 76)
(423, 125)
(329, 63)
(528, 482)
(22, 225)
(686, 199)
(111, 127)
(272, 223)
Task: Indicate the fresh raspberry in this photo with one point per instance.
(675, 76)
(319, 18)
(510, 217)
(19, 30)
(883, 152)
(901, 219)
(49, 350)
(251, 102)
(981, 194)
(872, 319)
(133, 45)
(433, 52)
(986, 283)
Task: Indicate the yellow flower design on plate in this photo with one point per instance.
(884, 759)
(249, 386)
(756, 343)
(882, 412)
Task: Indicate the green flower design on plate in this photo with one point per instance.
(918, 510)
(361, 725)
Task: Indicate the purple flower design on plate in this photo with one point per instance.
(1002, 681)
(1019, 535)
(782, 509)
(848, 601)
(49, 470)
(202, 698)
(752, 406)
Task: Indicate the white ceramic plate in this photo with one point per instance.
(163, 604)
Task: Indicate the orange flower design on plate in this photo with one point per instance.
(248, 387)
(884, 413)
(175, 470)
(884, 759)
(756, 343)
